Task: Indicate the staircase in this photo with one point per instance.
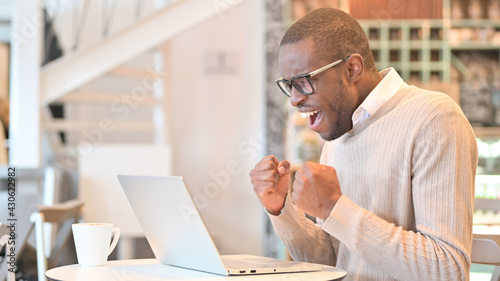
(113, 90)
(72, 71)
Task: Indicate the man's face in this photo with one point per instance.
(331, 102)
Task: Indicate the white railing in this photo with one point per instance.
(80, 24)
(95, 41)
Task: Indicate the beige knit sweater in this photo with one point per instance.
(407, 178)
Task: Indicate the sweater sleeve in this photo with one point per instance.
(443, 170)
(304, 240)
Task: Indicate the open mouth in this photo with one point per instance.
(313, 118)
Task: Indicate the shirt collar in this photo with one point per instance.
(386, 88)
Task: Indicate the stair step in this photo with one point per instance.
(107, 98)
(137, 73)
(104, 125)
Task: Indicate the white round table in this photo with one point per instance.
(152, 270)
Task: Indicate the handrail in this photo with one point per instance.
(80, 14)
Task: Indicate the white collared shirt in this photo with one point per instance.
(388, 86)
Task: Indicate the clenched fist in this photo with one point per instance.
(316, 189)
(271, 181)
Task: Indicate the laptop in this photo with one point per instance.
(178, 236)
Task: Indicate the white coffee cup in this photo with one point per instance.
(92, 242)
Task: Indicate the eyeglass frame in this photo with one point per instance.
(308, 77)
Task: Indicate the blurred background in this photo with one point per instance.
(94, 88)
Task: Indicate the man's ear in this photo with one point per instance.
(355, 67)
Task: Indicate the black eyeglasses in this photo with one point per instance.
(303, 82)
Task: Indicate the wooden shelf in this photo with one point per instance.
(416, 42)
(423, 50)
(475, 23)
(397, 23)
(475, 46)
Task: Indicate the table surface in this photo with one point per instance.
(152, 270)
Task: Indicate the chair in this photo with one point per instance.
(4, 237)
(63, 215)
(486, 250)
(485, 247)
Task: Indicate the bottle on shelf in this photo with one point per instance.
(494, 10)
(456, 10)
(475, 11)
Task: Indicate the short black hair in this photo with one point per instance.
(335, 34)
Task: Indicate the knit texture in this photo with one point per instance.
(407, 177)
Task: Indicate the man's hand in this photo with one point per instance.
(271, 181)
(316, 189)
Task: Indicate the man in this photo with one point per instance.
(394, 192)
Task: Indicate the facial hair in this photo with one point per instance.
(340, 105)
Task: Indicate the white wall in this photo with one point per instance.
(215, 112)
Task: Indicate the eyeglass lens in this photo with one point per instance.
(286, 87)
(303, 85)
(300, 83)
